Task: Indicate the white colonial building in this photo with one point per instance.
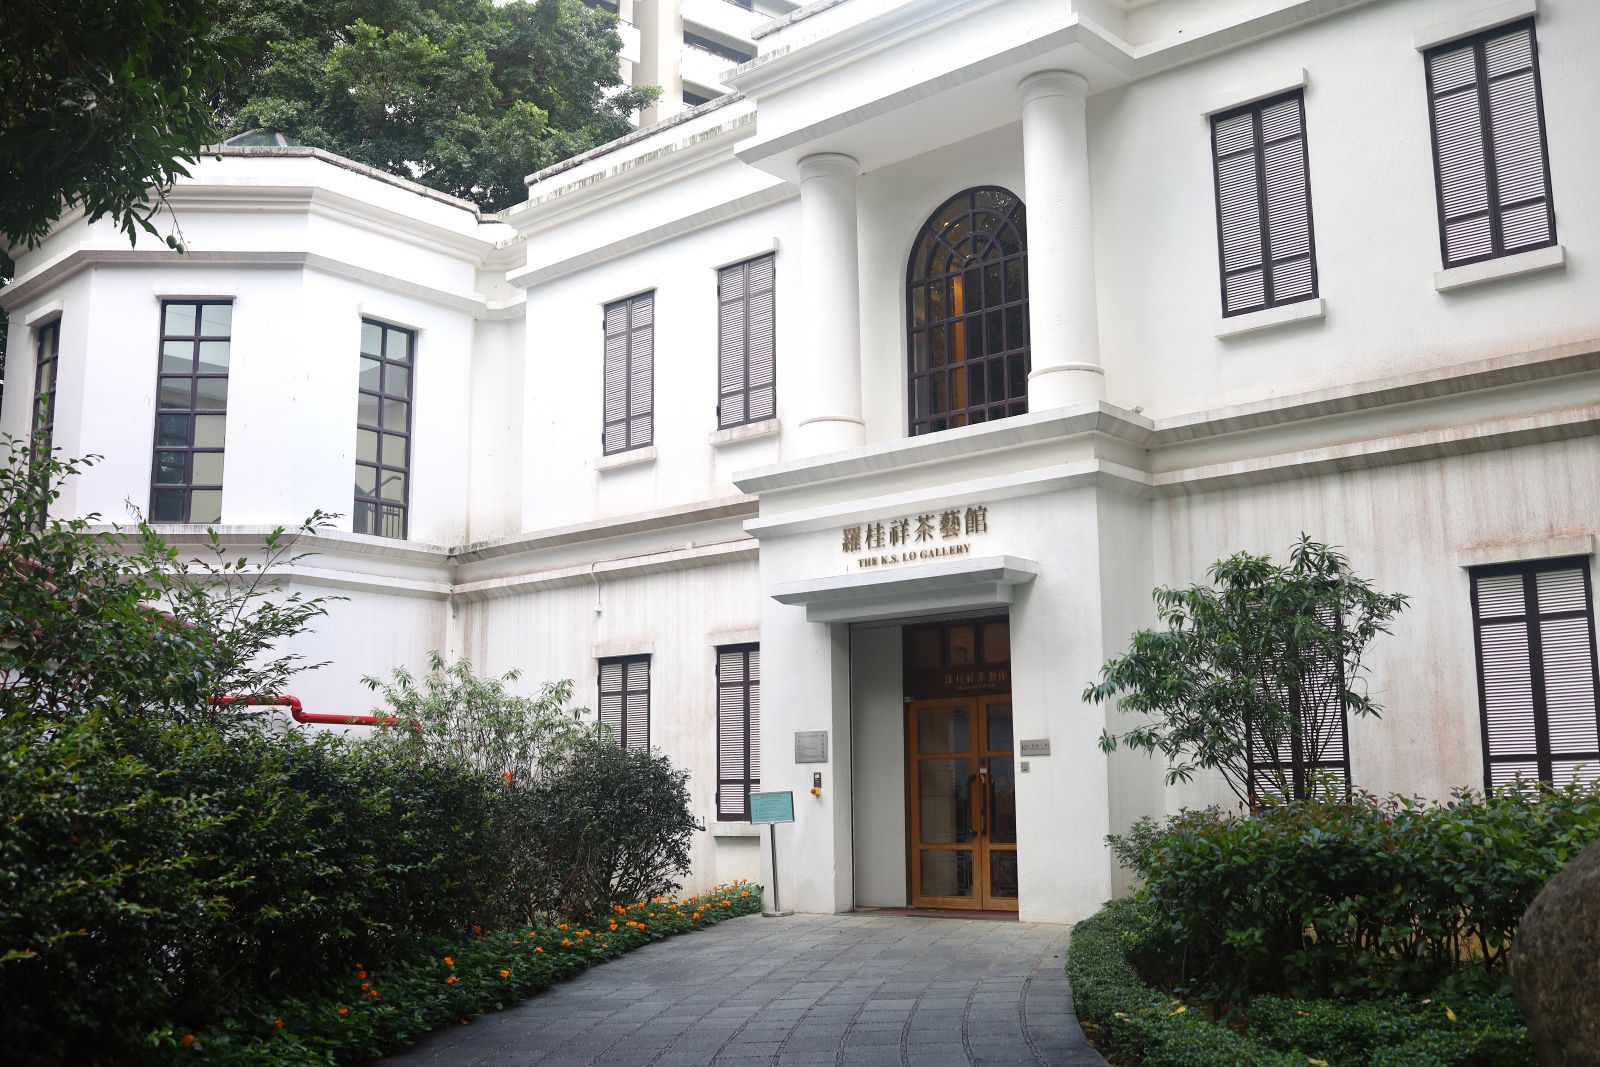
(835, 431)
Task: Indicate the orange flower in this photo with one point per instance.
(477, 929)
(563, 926)
(366, 985)
(641, 926)
(451, 980)
(187, 1040)
(505, 973)
(373, 993)
(565, 941)
(344, 1011)
(516, 942)
(745, 893)
(361, 974)
(358, 966)
(536, 948)
(278, 1023)
(448, 962)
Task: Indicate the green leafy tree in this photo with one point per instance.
(478, 723)
(1265, 658)
(102, 102)
(116, 621)
(465, 96)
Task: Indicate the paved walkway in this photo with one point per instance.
(884, 991)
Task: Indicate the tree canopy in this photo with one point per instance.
(1252, 676)
(464, 96)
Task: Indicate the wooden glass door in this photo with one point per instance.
(963, 804)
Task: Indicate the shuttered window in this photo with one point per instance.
(1317, 746)
(629, 373)
(1534, 624)
(47, 354)
(383, 430)
(191, 411)
(746, 347)
(625, 700)
(1490, 163)
(1263, 187)
(738, 730)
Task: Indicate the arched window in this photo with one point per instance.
(967, 312)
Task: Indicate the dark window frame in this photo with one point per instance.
(188, 486)
(380, 508)
(42, 430)
(749, 782)
(749, 388)
(630, 305)
(1014, 361)
(1258, 149)
(1495, 210)
(621, 729)
(1543, 755)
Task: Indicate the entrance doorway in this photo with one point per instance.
(962, 785)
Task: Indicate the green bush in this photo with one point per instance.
(1340, 897)
(610, 825)
(1453, 1028)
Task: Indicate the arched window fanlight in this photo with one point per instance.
(967, 312)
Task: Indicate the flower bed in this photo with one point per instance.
(377, 1010)
(1137, 1022)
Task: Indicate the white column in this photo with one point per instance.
(1065, 338)
(829, 384)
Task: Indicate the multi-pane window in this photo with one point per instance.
(1489, 156)
(1297, 764)
(746, 347)
(625, 700)
(383, 430)
(738, 730)
(1534, 624)
(967, 313)
(1264, 230)
(47, 354)
(191, 411)
(629, 375)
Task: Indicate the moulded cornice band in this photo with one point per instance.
(1045, 83)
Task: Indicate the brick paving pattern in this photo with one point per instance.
(867, 990)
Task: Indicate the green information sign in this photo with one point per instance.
(771, 807)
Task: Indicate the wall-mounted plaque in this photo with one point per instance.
(811, 746)
(1038, 746)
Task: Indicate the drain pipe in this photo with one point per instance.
(299, 714)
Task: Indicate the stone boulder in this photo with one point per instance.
(1555, 965)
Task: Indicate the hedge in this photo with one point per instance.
(1349, 897)
(369, 1011)
(1130, 1019)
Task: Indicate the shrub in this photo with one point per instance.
(612, 824)
(1127, 1017)
(1336, 897)
(163, 875)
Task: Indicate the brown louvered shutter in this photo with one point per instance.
(625, 700)
(738, 730)
(746, 343)
(629, 374)
(1490, 161)
(1263, 189)
(1534, 625)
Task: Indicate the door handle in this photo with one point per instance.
(972, 795)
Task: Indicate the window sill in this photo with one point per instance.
(634, 457)
(731, 828)
(1267, 318)
(1503, 267)
(750, 431)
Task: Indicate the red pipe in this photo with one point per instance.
(301, 715)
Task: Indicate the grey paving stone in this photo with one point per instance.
(802, 991)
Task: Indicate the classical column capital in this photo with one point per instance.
(829, 164)
(1045, 83)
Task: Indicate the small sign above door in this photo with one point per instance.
(1038, 746)
(811, 746)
